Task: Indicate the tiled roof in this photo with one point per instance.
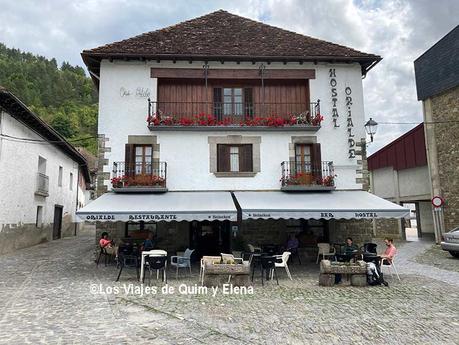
(224, 34)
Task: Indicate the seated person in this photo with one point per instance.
(149, 243)
(389, 253)
(107, 244)
(350, 247)
(292, 243)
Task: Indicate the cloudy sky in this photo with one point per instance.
(397, 30)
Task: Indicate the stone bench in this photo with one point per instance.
(217, 274)
(357, 272)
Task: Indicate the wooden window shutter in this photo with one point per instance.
(223, 158)
(129, 159)
(218, 103)
(316, 162)
(248, 102)
(245, 158)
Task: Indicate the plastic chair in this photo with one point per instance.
(254, 249)
(389, 263)
(325, 250)
(182, 261)
(281, 261)
(158, 263)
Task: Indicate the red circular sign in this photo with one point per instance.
(438, 201)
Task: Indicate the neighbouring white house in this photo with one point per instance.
(222, 131)
(399, 173)
(43, 178)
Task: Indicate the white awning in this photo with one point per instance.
(322, 205)
(170, 206)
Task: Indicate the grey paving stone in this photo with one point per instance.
(46, 298)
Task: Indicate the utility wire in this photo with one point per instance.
(39, 141)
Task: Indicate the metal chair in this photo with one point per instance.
(128, 257)
(103, 252)
(158, 263)
(268, 266)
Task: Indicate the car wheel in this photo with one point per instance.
(455, 254)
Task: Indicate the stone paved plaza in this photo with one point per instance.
(54, 294)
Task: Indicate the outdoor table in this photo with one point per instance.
(154, 252)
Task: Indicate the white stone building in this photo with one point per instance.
(42, 178)
(234, 107)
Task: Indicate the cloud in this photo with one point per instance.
(397, 30)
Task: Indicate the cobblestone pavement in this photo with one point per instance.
(436, 257)
(46, 298)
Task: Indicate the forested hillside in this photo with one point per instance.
(62, 96)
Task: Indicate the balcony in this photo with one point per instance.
(233, 116)
(139, 177)
(42, 185)
(306, 176)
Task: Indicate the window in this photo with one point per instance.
(234, 158)
(303, 157)
(71, 181)
(39, 218)
(307, 160)
(233, 102)
(140, 230)
(59, 179)
(41, 165)
(143, 157)
(138, 159)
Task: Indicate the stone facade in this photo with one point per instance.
(387, 228)
(18, 236)
(101, 163)
(445, 113)
(361, 230)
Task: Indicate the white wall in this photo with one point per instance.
(382, 183)
(18, 171)
(407, 184)
(187, 153)
(425, 214)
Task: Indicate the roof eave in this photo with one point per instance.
(92, 59)
(30, 119)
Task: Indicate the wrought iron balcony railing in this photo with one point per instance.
(233, 114)
(139, 177)
(42, 185)
(297, 176)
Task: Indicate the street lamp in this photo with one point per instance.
(370, 127)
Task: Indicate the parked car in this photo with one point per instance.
(450, 242)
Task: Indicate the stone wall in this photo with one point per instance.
(13, 237)
(445, 107)
(19, 236)
(360, 230)
(172, 236)
(261, 232)
(387, 228)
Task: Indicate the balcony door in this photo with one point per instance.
(308, 162)
(138, 160)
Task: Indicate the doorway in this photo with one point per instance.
(57, 223)
(210, 238)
